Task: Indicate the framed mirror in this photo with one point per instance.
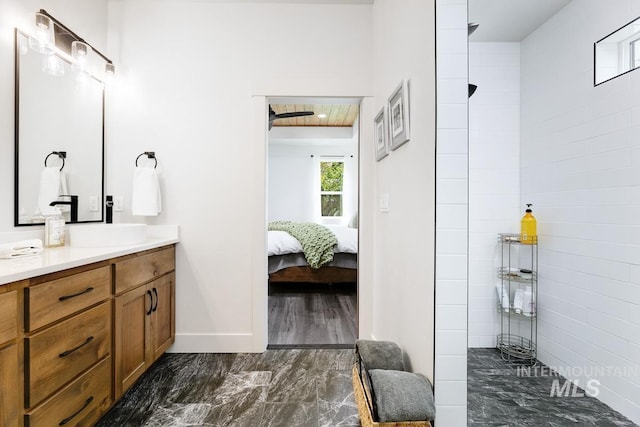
(59, 134)
(617, 53)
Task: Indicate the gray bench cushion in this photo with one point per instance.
(380, 354)
(401, 396)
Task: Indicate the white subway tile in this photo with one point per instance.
(451, 317)
(452, 116)
(451, 217)
(452, 66)
(452, 91)
(451, 368)
(451, 191)
(451, 393)
(451, 292)
(452, 166)
(452, 416)
(452, 16)
(451, 267)
(452, 41)
(450, 342)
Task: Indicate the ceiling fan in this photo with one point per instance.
(273, 116)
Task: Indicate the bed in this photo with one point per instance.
(287, 262)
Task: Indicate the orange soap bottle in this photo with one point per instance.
(528, 232)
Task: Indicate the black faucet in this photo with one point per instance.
(73, 203)
(109, 218)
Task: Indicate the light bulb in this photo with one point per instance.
(79, 55)
(43, 40)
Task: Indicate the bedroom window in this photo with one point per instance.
(331, 185)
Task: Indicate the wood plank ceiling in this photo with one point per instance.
(336, 115)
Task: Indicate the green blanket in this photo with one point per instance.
(317, 240)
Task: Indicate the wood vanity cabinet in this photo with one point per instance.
(144, 312)
(73, 341)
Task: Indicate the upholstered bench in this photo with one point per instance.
(386, 394)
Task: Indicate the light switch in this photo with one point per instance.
(384, 202)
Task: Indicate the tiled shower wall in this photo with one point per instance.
(494, 175)
(580, 158)
(451, 213)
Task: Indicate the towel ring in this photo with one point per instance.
(61, 154)
(150, 155)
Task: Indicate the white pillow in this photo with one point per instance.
(347, 238)
(281, 242)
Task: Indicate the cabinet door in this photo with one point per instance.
(132, 313)
(9, 377)
(163, 316)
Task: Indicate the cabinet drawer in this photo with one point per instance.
(8, 316)
(50, 301)
(57, 354)
(135, 271)
(81, 403)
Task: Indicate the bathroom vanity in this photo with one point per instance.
(78, 327)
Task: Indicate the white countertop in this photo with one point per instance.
(65, 257)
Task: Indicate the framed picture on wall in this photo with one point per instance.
(380, 134)
(398, 106)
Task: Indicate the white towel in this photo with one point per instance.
(52, 184)
(21, 249)
(146, 200)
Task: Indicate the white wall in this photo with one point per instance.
(294, 178)
(451, 214)
(580, 158)
(404, 47)
(190, 74)
(494, 176)
(88, 18)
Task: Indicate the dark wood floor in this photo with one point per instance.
(303, 314)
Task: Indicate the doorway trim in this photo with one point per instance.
(260, 275)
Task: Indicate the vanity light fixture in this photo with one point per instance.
(53, 37)
(43, 41)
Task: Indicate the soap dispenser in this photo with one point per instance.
(53, 228)
(528, 232)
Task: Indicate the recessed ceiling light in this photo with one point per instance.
(322, 116)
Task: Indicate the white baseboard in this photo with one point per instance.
(212, 343)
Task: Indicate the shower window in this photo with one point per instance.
(617, 53)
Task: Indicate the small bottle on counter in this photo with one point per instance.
(53, 228)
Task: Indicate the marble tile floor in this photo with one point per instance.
(498, 396)
(288, 388)
(312, 387)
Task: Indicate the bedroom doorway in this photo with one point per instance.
(312, 211)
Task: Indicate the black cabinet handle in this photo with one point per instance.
(68, 352)
(151, 303)
(155, 292)
(69, 418)
(66, 297)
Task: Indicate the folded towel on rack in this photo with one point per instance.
(20, 249)
(146, 199)
(52, 184)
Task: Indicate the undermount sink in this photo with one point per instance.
(106, 235)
